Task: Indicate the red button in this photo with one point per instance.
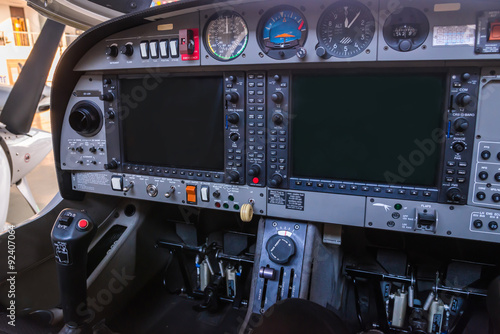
(255, 180)
(83, 224)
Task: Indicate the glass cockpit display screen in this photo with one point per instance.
(369, 128)
(174, 122)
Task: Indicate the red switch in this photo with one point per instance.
(495, 31)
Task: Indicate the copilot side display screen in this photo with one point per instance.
(173, 122)
(369, 128)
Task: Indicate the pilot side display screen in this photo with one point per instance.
(173, 122)
(368, 128)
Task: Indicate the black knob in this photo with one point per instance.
(233, 118)
(277, 119)
(481, 196)
(79, 149)
(454, 194)
(486, 154)
(107, 97)
(495, 197)
(276, 180)
(277, 77)
(321, 52)
(233, 176)
(277, 97)
(405, 45)
(493, 225)
(127, 50)
(92, 149)
(463, 99)
(280, 248)
(112, 51)
(478, 223)
(466, 76)
(483, 175)
(110, 115)
(232, 97)
(113, 164)
(461, 124)
(107, 81)
(85, 118)
(458, 147)
(498, 156)
(234, 136)
(231, 78)
(497, 177)
(216, 194)
(254, 170)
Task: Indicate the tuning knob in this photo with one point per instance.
(127, 50)
(113, 164)
(234, 136)
(233, 176)
(321, 52)
(277, 97)
(108, 97)
(463, 99)
(277, 119)
(112, 51)
(232, 97)
(276, 180)
(233, 118)
(454, 194)
(254, 170)
(85, 118)
(461, 124)
(280, 248)
(458, 147)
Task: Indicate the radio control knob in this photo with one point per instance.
(276, 180)
(497, 177)
(127, 50)
(321, 52)
(280, 248)
(231, 78)
(112, 51)
(495, 197)
(113, 164)
(277, 119)
(234, 136)
(254, 170)
(233, 176)
(233, 118)
(232, 97)
(463, 99)
(483, 175)
(465, 76)
(277, 77)
(277, 97)
(458, 147)
(93, 149)
(454, 194)
(461, 124)
(108, 97)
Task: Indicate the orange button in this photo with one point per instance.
(191, 194)
(495, 31)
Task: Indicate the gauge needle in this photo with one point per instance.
(354, 19)
(227, 27)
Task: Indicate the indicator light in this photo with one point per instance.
(231, 198)
(217, 204)
(226, 206)
(398, 206)
(255, 180)
(236, 207)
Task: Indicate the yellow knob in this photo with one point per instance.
(246, 212)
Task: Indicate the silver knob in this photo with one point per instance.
(152, 190)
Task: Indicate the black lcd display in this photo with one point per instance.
(384, 129)
(173, 122)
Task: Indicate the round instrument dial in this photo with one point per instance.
(406, 29)
(345, 29)
(282, 30)
(226, 36)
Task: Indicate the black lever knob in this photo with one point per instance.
(233, 176)
(71, 236)
(276, 180)
(233, 118)
(232, 97)
(127, 50)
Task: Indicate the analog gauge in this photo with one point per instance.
(345, 29)
(226, 36)
(406, 29)
(282, 32)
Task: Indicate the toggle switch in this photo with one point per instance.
(204, 192)
(191, 194)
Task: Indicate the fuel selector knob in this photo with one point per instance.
(463, 99)
(280, 248)
(232, 97)
(277, 119)
(461, 124)
(276, 180)
(277, 97)
(233, 118)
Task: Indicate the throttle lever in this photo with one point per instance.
(71, 236)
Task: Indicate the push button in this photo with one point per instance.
(117, 182)
(153, 49)
(204, 191)
(164, 48)
(144, 46)
(83, 224)
(174, 48)
(191, 194)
